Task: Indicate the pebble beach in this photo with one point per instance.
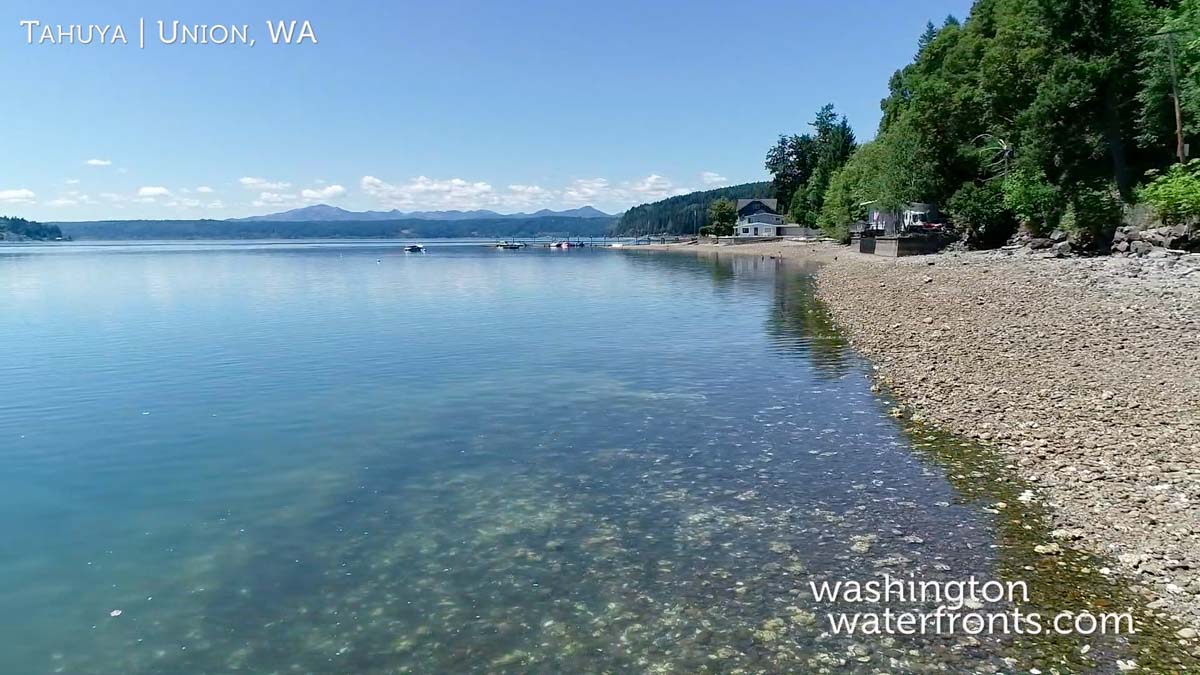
(1084, 372)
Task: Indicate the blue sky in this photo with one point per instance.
(413, 105)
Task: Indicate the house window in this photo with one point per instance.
(745, 230)
(756, 231)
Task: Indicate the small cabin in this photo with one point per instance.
(888, 222)
(902, 232)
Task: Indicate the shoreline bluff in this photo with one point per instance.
(1084, 372)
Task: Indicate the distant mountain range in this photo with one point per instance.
(328, 228)
(324, 213)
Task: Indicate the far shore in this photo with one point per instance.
(1085, 372)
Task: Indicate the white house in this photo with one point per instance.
(758, 218)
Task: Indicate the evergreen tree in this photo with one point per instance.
(1176, 38)
(721, 216)
(803, 165)
(1037, 110)
(927, 37)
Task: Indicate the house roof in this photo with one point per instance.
(772, 204)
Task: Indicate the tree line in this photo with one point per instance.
(379, 229)
(28, 229)
(684, 214)
(1046, 114)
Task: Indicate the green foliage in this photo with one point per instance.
(803, 166)
(722, 214)
(979, 212)
(1094, 212)
(927, 37)
(1038, 105)
(841, 233)
(849, 188)
(1035, 202)
(29, 229)
(684, 214)
(1180, 34)
(1175, 195)
(790, 162)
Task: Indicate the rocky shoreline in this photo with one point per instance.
(1085, 372)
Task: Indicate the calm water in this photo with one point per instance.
(347, 459)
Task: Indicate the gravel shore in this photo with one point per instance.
(1085, 371)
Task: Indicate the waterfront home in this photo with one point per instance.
(757, 218)
(760, 218)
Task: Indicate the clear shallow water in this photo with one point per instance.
(348, 459)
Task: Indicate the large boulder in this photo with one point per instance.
(1126, 233)
(1154, 237)
(1140, 248)
(1174, 236)
(1039, 243)
(1181, 236)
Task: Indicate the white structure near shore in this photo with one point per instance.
(759, 218)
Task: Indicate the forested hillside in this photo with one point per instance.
(398, 229)
(684, 214)
(1052, 114)
(20, 229)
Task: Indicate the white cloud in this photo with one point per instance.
(323, 194)
(655, 187)
(252, 183)
(375, 187)
(599, 191)
(99, 162)
(62, 201)
(529, 190)
(424, 193)
(72, 181)
(427, 193)
(586, 191)
(152, 191)
(273, 199)
(528, 196)
(204, 189)
(713, 178)
(17, 196)
(112, 196)
(293, 199)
